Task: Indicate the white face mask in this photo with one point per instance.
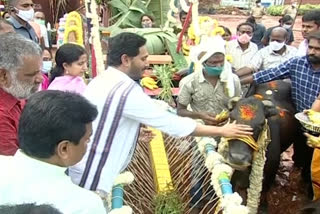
(286, 26)
(275, 46)
(46, 66)
(26, 15)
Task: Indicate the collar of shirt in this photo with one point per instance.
(247, 50)
(117, 73)
(271, 52)
(44, 168)
(8, 100)
(17, 24)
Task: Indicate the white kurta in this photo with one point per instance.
(27, 180)
(122, 107)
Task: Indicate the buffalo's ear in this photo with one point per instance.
(251, 90)
(232, 102)
(269, 108)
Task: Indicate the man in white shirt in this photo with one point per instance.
(274, 54)
(242, 49)
(54, 130)
(310, 24)
(122, 107)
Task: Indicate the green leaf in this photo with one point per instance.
(118, 4)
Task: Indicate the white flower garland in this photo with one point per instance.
(95, 34)
(125, 178)
(256, 175)
(231, 203)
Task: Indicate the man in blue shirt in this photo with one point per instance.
(304, 73)
(21, 13)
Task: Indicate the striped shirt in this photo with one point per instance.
(122, 106)
(241, 58)
(304, 79)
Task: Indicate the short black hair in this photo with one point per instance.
(314, 35)
(147, 15)
(258, 1)
(182, 12)
(13, 2)
(28, 209)
(226, 30)
(67, 53)
(124, 43)
(247, 24)
(251, 20)
(312, 15)
(50, 117)
(285, 19)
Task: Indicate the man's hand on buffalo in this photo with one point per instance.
(235, 130)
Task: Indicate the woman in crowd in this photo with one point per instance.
(147, 21)
(46, 68)
(71, 64)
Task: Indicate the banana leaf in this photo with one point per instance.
(131, 12)
(155, 37)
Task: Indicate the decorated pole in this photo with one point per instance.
(97, 64)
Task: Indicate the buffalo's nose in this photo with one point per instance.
(242, 160)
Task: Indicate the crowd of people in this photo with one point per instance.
(61, 139)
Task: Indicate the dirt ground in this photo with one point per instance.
(289, 193)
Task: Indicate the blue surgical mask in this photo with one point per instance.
(46, 66)
(213, 71)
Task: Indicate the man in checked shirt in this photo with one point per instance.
(304, 73)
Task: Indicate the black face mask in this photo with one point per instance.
(313, 59)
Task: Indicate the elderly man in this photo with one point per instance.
(123, 107)
(20, 76)
(21, 13)
(54, 130)
(204, 90)
(271, 56)
(5, 26)
(310, 24)
(242, 49)
(304, 73)
(207, 91)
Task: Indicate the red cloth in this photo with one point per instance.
(10, 111)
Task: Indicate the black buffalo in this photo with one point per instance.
(269, 101)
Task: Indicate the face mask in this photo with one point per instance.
(244, 38)
(146, 25)
(46, 66)
(286, 26)
(275, 46)
(213, 71)
(40, 21)
(26, 15)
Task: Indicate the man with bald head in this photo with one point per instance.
(271, 56)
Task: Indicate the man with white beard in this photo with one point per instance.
(20, 76)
